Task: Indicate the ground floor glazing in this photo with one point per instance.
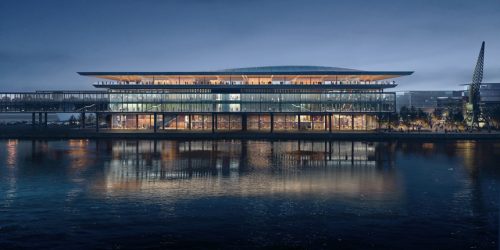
(246, 122)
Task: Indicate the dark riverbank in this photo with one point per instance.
(72, 133)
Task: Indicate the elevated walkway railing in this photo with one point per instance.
(54, 101)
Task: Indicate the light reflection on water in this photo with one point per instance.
(256, 193)
(242, 168)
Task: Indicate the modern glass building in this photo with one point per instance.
(266, 99)
(489, 94)
(427, 100)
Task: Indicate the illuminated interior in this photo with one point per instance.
(271, 75)
(254, 122)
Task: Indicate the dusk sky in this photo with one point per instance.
(44, 43)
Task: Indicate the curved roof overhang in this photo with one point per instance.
(275, 72)
(362, 75)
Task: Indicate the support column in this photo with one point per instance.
(213, 123)
(96, 122)
(325, 117)
(330, 122)
(45, 118)
(154, 122)
(216, 122)
(352, 122)
(136, 121)
(33, 119)
(83, 120)
(40, 119)
(298, 124)
(244, 122)
(272, 122)
(163, 121)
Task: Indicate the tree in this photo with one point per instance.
(437, 113)
(413, 113)
(455, 117)
(411, 116)
(421, 115)
(404, 114)
(393, 119)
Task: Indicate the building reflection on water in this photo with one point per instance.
(198, 168)
(237, 167)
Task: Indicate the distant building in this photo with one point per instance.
(490, 93)
(489, 103)
(425, 100)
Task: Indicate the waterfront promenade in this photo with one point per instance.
(27, 132)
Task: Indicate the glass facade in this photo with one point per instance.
(249, 122)
(166, 101)
(254, 80)
(265, 110)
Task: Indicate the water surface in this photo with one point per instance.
(119, 194)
